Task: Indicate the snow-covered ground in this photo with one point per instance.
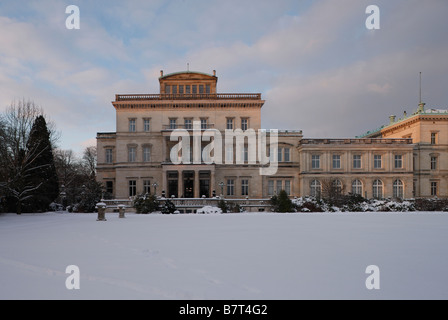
(224, 256)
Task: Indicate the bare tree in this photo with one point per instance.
(18, 120)
(17, 155)
(67, 166)
(89, 158)
(332, 191)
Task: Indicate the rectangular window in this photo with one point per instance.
(110, 187)
(205, 157)
(229, 124)
(187, 89)
(315, 161)
(230, 187)
(146, 186)
(433, 163)
(131, 125)
(271, 154)
(288, 187)
(280, 154)
(201, 89)
(434, 188)
(109, 158)
(188, 124)
(146, 154)
(433, 137)
(181, 89)
(173, 124)
(246, 154)
(132, 188)
(132, 154)
(167, 89)
(174, 89)
(270, 187)
(278, 186)
(244, 187)
(229, 154)
(244, 124)
(336, 161)
(357, 161)
(195, 89)
(203, 124)
(398, 161)
(207, 88)
(146, 126)
(377, 161)
(287, 155)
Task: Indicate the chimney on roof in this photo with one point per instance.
(392, 119)
(161, 73)
(214, 73)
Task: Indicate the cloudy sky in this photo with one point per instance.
(316, 64)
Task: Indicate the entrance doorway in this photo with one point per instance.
(173, 181)
(204, 184)
(188, 177)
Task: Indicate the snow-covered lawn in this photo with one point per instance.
(224, 256)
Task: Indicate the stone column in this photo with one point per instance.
(101, 206)
(121, 210)
(196, 184)
(180, 180)
(164, 184)
(212, 182)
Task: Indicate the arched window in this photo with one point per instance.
(398, 188)
(316, 188)
(357, 187)
(377, 189)
(337, 186)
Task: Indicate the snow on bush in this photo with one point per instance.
(56, 207)
(311, 204)
(209, 210)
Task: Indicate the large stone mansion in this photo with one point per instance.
(406, 158)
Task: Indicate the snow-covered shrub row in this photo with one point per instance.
(311, 204)
(209, 210)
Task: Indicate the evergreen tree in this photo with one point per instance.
(282, 203)
(222, 204)
(43, 171)
(146, 203)
(168, 207)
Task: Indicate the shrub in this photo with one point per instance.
(146, 204)
(222, 204)
(168, 207)
(281, 203)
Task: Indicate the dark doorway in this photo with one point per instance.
(204, 184)
(188, 184)
(173, 182)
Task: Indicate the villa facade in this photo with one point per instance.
(141, 156)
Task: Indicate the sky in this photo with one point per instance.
(315, 63)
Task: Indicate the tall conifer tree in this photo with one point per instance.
(43, 169)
